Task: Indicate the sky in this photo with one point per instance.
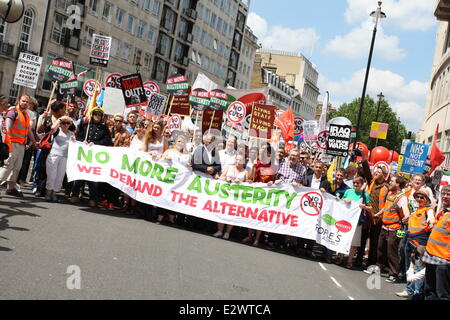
(335, 36)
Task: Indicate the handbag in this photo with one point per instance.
(45, 143)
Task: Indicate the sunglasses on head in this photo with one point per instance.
(66, 122)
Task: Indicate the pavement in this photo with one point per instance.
(64, 251)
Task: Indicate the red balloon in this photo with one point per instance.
(361, 145)
(393, 156)
(380, 154)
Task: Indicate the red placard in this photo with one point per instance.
(263, 118)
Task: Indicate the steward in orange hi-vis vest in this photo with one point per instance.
(20, 127)
(439, 241)
(392, 213)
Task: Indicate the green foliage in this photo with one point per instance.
(396, 132)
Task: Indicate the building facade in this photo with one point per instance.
(438, 97)
(298, 72)
(247, 59)
(156, 38)
(281, 94)
(22, 36)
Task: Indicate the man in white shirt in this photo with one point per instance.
(228, 155)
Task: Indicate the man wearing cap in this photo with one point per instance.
(437, 253)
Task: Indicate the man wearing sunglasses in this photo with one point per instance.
(437, 253)
(121, 135)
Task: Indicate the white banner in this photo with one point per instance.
(27, 71)
(300, 212)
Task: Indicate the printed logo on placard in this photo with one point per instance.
(311, 203)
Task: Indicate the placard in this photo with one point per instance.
(339, 140)
(60, 70)
(310, 130)
(199, 99)
(156, 104)
(112, 81)
(262, 120)
(181, 106)
(153, 86)
(219, 100)
(89, 85)
(298, 125)
(177, 85)
(27, 71)
(113, 101)
(415, 158)
(174, 123)
(216, 123)
(100, 48)
(133, 90)
(236, 112)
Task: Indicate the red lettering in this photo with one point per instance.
(174, 195)
(86, 169)
(131, 182)
(294, 221)
(114, 174)
(122, 177)
(207, 206)
(157, 191)
(232, 211)
(148, 188)
(253, 213)
(97, 171)
(241, 211)
(263, 216)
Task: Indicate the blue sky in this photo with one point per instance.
(335, 35)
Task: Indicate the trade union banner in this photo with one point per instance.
(300, 212)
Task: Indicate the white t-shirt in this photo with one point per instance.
(136, 144)
(60, 146)
(227, 158)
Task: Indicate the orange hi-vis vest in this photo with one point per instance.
(418, 221)
(19, 130)
(392, 213)
(438, 244)
(381, 197)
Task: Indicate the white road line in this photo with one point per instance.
(351, 298)
(322, 266)
(337, 283)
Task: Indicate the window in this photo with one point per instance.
(25, 33)
(151, 36)
(131, 24)
(13, 93)
(88, 34)
(120, 14)
(156, 8)
(213, 20)
(115, 45)
(58, 31)
(146, 5)
(137, 56)
(164, 45)
(107, 11)
(93, 6)
(2, 29)
(160, 70)
(147, 60)
(125, 52)
(141, 29)
(136, 2)
(169, 20)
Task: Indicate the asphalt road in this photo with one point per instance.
(121, 257)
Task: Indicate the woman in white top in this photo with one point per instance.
(137, 140)
(57, 159)
(179, 153)
(154, 141)
(232, 174)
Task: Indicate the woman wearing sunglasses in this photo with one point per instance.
(57, 159)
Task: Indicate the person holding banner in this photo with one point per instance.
(228, 155)
(121, 136)
(19, 129)
(57, 159)
(132, 120)
(94, 131)
(154, 141)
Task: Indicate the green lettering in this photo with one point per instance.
(196, 185)
(145, 168)
(126, 164)
(289, 199)
(104, 155)
(258, 195)
(157, 172)
(171, 174)
(209, 192)
(224, 191)
(87, 157)
(246, 193)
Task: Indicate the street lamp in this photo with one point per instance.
(380, 98)
(378, 14)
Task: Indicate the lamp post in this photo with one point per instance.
(378, 14)
(380, 98)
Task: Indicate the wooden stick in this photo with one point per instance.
(97, 72)
(54, 85)
(212, 120)
(170, 105)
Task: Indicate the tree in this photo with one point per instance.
(396, 132)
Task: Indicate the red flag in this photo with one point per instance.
(286, 123)
(436, 156)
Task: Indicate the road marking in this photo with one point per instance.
(351, 298)
(337, 283)
(322, 266)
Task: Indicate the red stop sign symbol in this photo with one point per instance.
(311, 203)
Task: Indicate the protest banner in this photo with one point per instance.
(90, 85)
(212, 119)
(156, 104)
(310, 130)
(100, 48)
(322, 140)
(69, 87)
(174, 123)
(339, 140)
(177, 85)
(199, 99)
(60, 69)
(27, 71)
(262, 120)
(113, 101)
(298, 126)
(284, 209)
(133, 90)
(180, 105)
(112, 81)
(236, 112)
(152, 86)
(415, 157)
(219, 100)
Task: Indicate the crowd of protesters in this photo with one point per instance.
(403, 228)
